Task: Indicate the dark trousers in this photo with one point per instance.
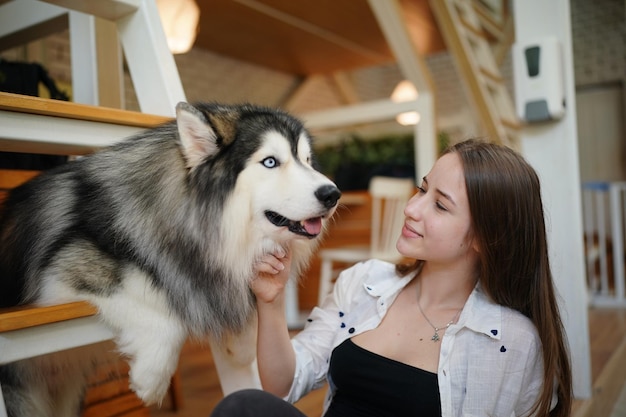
(254, 403)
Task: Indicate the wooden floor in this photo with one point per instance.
(607, 333)
(201, 390)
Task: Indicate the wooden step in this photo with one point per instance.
(476, 30)
(11, 178)
(66, 109)
(15, 318)
(490, 21)
(480, 49)
(38, 125)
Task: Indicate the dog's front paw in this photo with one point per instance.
(148, 383)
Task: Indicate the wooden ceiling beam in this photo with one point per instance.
(411, 63)
(312, 29)
(308, 38)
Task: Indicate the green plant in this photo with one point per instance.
(386, 150)
(354, 160)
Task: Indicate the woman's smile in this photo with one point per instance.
(409, 232)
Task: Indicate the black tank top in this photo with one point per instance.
(369, 385)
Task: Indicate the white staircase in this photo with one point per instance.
(151, 65)
(478, 38)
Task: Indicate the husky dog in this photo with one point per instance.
(160, 232)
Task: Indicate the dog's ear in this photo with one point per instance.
(224, 121)
(198, 139)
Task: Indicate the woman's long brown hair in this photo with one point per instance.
(514, 270)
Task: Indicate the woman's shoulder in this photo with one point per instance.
(376, 267)
(375, 276)
(517, 327)
(501, 321)
(372, 271)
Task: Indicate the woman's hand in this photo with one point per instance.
(272, 274)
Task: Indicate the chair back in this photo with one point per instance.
(389, 197)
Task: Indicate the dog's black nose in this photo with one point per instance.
(328, 195)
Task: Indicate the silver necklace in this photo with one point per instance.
(436, 337)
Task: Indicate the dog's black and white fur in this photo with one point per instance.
(160, 232)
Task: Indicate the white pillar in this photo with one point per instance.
(552, 149)
(83, 55)
(151, 64)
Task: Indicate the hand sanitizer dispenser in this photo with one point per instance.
(539, 84)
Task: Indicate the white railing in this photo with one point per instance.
(604, 210)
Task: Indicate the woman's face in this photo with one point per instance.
(437, 224)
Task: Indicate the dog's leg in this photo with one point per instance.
(25, 391)
(67, 373)
(148, 332)
(153, 353)
(50, 385)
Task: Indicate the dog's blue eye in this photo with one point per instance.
(270, 162)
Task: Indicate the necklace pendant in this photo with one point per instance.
(435, 337)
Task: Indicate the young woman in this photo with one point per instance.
(471, 327)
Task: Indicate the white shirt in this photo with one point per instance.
(490, 363)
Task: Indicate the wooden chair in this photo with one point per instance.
(389, 196)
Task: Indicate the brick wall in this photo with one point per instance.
(210, 77)
(599, 33)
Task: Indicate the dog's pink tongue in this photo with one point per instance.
(313, 226)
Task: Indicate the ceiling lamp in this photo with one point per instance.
(180, 23)
(406, 91)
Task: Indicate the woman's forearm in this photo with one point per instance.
(275, 354)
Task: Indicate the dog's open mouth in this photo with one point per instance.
(309, 228)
